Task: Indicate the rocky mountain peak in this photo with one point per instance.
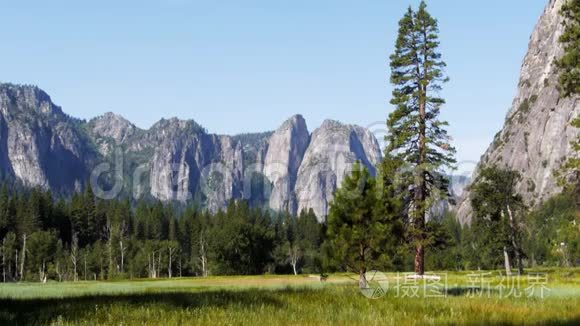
(295, 122)
(283, 158)
(330, 124)
(26, 98)
(111, 125)
(177, 125)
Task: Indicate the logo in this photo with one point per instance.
(377, 285)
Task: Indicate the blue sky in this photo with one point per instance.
(241, 66)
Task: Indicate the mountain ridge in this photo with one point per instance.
(175, 160)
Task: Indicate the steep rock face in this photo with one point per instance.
(188, 162)
(176, 160)
(41, 146)
(109, 130)
(333, 150)
(536, 136)
(286, 149)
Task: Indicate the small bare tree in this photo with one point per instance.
(58, 271)
(153, 268)
(16, 264)
(171, 247)
(123, 229)
(203, 254)
(23, 258)
(42, 272)
(294, 256)
(74, 255)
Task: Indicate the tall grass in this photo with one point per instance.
(271, 301)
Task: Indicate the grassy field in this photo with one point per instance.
(301, 300)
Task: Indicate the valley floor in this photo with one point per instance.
(541, 297)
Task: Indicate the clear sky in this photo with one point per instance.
(246, 66)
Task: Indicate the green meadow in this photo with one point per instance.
(468, 298)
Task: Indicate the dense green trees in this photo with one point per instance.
(416, 135)
(548, 236)
(498, 211)
(553, 236)
(300, 241)
(84, 238)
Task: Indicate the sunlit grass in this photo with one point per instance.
(278, 300)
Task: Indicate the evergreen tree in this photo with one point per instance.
(9, 268)
(569, 63)
(42, 247)
(311, 237)
(4, 211)
(557, 221)
(358, 230)
(416, 135)
(497, 207)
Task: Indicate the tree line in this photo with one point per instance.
(86, 238)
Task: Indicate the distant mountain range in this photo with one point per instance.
(176, 160)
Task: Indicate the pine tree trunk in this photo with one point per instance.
(420, 183)
(420, 260)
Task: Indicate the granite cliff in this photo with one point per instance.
(176, 160)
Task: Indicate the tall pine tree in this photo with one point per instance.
(416, 135)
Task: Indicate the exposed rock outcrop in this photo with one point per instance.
(333, 150)
(40, 145)
(535, 139)
(286, 149)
